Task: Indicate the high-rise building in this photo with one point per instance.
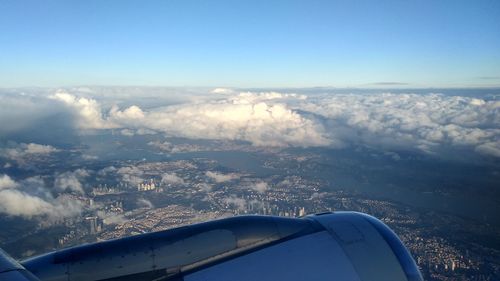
(302, 212)
(95, 225)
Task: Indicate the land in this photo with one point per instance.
(189, 183)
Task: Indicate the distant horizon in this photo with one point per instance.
(399, 87)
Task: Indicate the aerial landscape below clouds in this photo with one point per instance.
(124, 117)
(135, 159)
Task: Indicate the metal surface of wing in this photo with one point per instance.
(11, 270)
(331, 246)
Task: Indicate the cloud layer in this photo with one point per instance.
(427, 122)
(430, 123)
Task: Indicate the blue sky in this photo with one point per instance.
(250, 43)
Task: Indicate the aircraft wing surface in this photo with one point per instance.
(11, 270)
(324, 247)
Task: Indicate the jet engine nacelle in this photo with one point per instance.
(329, 246)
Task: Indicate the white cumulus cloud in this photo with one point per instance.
(430, 123)
(71, 181)
(7, 182)
(236, 202)
(171, 178)
(131, 175)
(260, 186)
(145, 203)
(219, 177)
(88, 113)
(15, 202)
(17, 151)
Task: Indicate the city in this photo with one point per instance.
(134, 197)
(122, 117)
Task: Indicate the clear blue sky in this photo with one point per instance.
(250, 43)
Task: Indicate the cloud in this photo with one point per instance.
(171, 178)
(127, 132)
(429, 123)
(29, 113)
(132, 116)
(165, 146)
(16, 202)
(87, 112)
(219, 178)
(401, 121)
(111, 218)
(145, 203)
(204, 187)
(33, 148)
(131, 175)
(21, 111)
(248, 117)
(89, 157)
(7, 182)
(319, 195)
(17, 151)
(107, 170)
(130, 113)
(489, 148)
(222, 91)
(389, 83)
(239, 203)
(260, 186)
(140, 132)
(71, 181)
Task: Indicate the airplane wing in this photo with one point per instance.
(11, 270)
(331, 246)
